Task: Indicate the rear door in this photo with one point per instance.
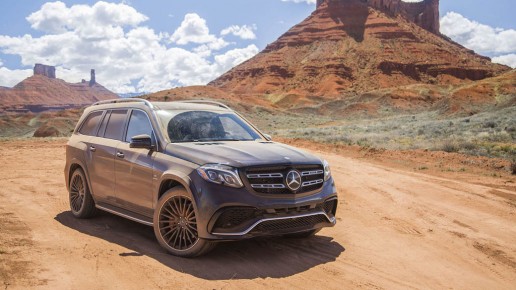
(134, 167)
(103, 151)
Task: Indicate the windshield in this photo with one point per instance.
(201, 126)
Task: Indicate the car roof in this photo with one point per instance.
(174, 105)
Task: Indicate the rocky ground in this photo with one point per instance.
(398, 227)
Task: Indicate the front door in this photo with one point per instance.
(134, 168)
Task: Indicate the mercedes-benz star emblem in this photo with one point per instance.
(293, 180)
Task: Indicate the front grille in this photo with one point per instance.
(271, 180)
(234, 216)
(299, 223)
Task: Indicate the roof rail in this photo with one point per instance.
(127, 100)
(207, 102)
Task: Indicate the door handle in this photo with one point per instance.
(93, 149)
(120, 155)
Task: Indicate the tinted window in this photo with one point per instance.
(102, 128)
(115, 125)
(195, 126)
(138, 125)
(89, 126)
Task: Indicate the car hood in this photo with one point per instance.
(240, 153)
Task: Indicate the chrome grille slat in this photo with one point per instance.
(267, 186)
(265, 175)
(312, 172)
(313, 182)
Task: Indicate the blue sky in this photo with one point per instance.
(138, 45)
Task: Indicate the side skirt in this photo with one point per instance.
(125, 214)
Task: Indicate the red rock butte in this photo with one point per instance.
(356, 46)
(43, 91)
(424, 13)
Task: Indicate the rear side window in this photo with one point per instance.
(138, 125)
(115, 125)
(89, 127)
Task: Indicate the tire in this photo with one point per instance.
(82, 204)
(302, 235)
(175, 225)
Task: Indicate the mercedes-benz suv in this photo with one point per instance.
(197, 171)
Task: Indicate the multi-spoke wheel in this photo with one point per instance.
(175, 225)
(81, 201)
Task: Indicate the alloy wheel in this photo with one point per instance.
(177, 223)
(77, 193)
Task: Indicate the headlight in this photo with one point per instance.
(327, 172)
(220, 174)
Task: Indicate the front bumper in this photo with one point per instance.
(225, 213)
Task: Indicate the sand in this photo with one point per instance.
(397, 228)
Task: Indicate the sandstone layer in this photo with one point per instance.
(350, 47)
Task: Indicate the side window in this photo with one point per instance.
(115, 125)
(103, 125)
(89, 126)
(138, 124)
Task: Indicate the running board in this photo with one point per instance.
(125, 214)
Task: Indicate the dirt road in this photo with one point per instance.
(396, 229)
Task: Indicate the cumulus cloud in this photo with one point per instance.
(508, 59)
(495, 42)
(10, 78)
(244, 32)
(127, 55)
(55, 17)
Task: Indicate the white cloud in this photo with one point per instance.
(55, 17)
(477, 36)
(481, 38)
(194, 29)
(235, 57)
(126, 55)
(508, 59)
(9, 78)
(300, 1)
(244, 32)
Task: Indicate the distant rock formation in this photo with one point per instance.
(45, 70)
(424, 13)
(92, 78)
(43, 92)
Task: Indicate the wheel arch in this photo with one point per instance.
(74, 164)
(170, 180)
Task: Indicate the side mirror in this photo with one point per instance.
(267, 137)
(141, 141)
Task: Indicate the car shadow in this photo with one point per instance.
(255, 258)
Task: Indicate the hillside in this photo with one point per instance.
(44, 91)
(348, 47)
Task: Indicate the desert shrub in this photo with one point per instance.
(449, 146)
(469, 146)
(490, 124)
(513, 167)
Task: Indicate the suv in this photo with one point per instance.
(197, 171)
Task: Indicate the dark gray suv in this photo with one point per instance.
(197, 172)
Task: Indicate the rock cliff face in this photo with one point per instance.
(424, 13)
(44, 91)
(45, 70)
(349, 47)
